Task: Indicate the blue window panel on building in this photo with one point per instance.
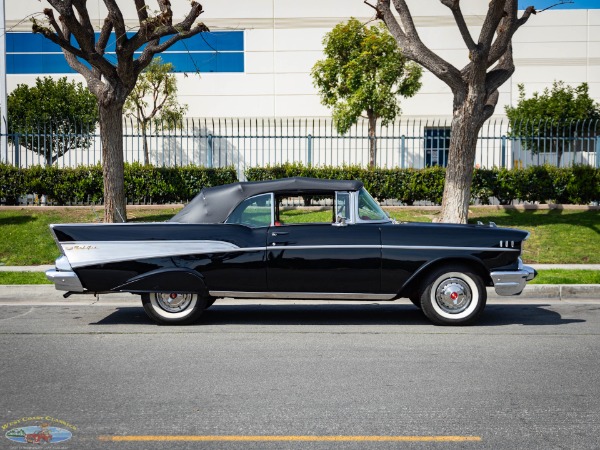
(205, 62)
(30, 43)
(224, 41)
(219, 51)
(38, 64)
(437, 146)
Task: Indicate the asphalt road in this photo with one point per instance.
(295, 375)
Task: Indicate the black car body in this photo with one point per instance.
(237, 241)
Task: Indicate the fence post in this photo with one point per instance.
(309, 150)
(402, 152)
(503, 148)
(597, 152)
(209, 151)
(16, 162)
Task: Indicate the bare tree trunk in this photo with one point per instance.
(559, 153)
(111, 131)
(145, 139)
(372, 138)
(466, 124)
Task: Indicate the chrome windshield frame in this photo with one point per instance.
(355, 195)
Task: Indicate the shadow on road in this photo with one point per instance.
(360, 314)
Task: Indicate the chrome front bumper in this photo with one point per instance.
(63, 277)
(512, 282)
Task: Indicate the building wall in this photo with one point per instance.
(282, 39)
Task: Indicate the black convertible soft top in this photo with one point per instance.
(214, 204)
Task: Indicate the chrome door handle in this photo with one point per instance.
(279, 233)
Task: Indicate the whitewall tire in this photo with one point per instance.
(453, 296)
(173, 308)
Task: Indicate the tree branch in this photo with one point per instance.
(413, 48)
(62, 37)
(506, 30)
(490, 105)
(501, 72)
(142, 10)
(105, 33)
(490, 24)
(146, 57)
(67, 16)
(454, 6)
(58, 37)
(114, 13)
(86, 23)
(92, 77)
(162, 25)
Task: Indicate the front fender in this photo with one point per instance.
(174, 280)
(415, 280)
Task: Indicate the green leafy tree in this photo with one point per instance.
(154, 99)
(554, 117)
(61, 115)
(364, 71)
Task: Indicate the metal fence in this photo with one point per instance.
(245, 142)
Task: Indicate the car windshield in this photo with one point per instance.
(368, 208)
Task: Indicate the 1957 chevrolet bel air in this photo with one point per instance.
(249, 240)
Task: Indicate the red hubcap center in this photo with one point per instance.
(454, 295)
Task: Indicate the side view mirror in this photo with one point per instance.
(340, 222)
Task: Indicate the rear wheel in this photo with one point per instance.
(453, 296)
(174, 308)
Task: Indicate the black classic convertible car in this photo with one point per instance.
(295, 238)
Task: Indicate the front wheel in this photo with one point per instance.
(453, 297)
(173, 308)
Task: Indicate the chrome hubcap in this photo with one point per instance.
(173, 302)
(453, 295)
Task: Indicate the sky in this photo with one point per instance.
(577, 4)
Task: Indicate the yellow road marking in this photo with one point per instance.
(293, 438)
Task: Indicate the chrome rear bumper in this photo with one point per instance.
(512, 282)
(63, 277)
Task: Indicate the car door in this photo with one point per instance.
(243, 269)
(324, 258)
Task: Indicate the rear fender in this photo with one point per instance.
(166, 280)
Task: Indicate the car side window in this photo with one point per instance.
(304, 209)
(342, 207)
(253, 212)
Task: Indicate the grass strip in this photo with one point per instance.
(23, 278)
(567, 276)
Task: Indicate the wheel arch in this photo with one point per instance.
(416, 280)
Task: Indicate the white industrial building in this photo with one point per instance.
(271, 46)
(256, 63)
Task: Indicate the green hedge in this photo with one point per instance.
(541, 184)
(143, 184)
(148, 184)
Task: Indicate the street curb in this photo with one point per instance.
(566, 292)
(555, 291)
